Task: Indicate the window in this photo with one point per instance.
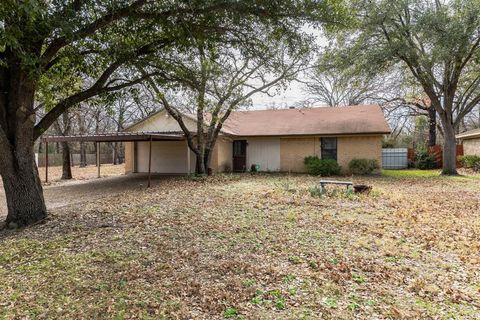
(329, 148)
(239, 148)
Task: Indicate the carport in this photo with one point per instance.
(114, 137)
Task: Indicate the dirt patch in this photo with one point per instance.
(59, 193)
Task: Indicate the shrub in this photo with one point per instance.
(424, 160)
(471, 162)
(321, 167)
(363, 166)
(388, 143)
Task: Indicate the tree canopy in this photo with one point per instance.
(89, 48)
(437, 41)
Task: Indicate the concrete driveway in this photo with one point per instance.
(78, 191)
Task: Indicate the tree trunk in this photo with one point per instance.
(206, 160)
(432, 117)
(116, 153)
(23, 191)
(200, 165)
(449, 152)
(66, 162)
(83, 155)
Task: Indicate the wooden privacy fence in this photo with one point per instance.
(437, 152)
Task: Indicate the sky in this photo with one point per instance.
(290, 97)
(294, 94)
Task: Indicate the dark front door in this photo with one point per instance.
(239, 155)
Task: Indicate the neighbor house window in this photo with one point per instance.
(329, 148)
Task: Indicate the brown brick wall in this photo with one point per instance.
(129, 157)
(471, 146)
(365, 147)
(294, 150)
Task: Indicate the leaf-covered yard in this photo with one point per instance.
(253, 247)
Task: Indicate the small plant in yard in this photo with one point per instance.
(230, 313)
(249, 282)
(279, 299)
(353, 306)
(321, 167)
(331, 302)
(393, 259)
(313, 264)
(295, 259)
(292, 291)
(316, 191)
(287, 185)
(363, 166)
(471, 162)
(292, 216)
(289, 278)
(280, 303)
(358, 278)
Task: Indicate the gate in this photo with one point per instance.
(396, 158)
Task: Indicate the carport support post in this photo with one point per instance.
(150, 163)
(188, 159)
(46, 161)
(98, 159)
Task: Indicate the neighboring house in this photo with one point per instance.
(471, 142)
(276, 140)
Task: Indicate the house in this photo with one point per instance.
(275, 140)
(471, 142)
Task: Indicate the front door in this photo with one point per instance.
(239, 155)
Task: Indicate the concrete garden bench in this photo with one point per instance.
(323, 183)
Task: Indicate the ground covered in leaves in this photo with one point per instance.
(253, 247)
(86, 173)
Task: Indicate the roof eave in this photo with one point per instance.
(313, 134)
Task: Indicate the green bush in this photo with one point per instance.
(363, 166)
(424, 160)
(471, 162)
(321, 167)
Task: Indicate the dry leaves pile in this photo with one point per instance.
(252, 247)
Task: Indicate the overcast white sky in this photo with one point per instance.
(290, 97)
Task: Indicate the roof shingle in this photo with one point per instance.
(367, 119)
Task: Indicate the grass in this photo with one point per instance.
(427, 174)
(411, 173)
(253, 247)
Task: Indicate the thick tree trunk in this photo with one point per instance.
(432, 117)
(23, 191)
(206, 160)
(200, 165)
(66, 162)
(449, 152)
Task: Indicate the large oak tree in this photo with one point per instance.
(100, 41)
(437, 41)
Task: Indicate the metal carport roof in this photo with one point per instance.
(114, 137)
